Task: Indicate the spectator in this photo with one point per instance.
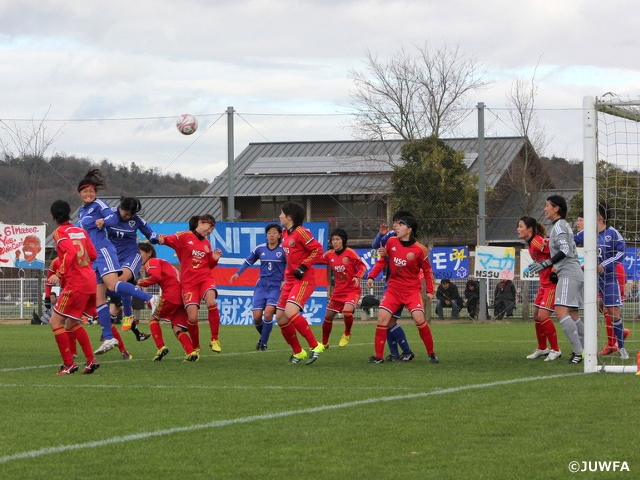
(504, 299)
(472, 294)
(448, 297)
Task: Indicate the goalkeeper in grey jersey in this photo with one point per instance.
(569, 290)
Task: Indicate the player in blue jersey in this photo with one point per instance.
(611, 252)
(395, 333)
(122, 229)
(267, 290)
(91, 218)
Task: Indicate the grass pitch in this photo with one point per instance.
(483, 412)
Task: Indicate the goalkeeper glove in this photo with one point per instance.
(299, 272)
(47, 302)
(537, 267)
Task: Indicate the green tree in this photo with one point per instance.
(433, 183)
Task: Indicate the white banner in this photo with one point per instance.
(22, 246)
(495, 262)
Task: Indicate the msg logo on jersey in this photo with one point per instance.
(197, 254)
(339, 268)
(399, 262)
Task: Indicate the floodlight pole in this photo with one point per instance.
(482, 314)
(231, 204)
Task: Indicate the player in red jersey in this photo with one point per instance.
(170, 307)
(348, 270)
(197, 259)
(405, 256)
(301, 251)
(534, 233)
(78, 282)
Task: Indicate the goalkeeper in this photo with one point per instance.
(569, 290)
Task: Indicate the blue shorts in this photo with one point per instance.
(266, 294)
(609, 289)
(107, 262)
(132, 262)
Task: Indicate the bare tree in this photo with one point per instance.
(30, 144)
(414, 96)
(527, 176)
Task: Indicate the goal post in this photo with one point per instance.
(612, 139)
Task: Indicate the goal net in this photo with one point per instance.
(611, 178)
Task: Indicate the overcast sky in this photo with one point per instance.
(136, 65)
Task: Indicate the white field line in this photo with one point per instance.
(271, 416)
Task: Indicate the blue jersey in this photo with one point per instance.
(124, 233)
(611, 249)
(272, 263)
(87, 216)
(381, 240)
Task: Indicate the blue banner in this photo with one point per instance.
(449, 262)
(631, 264)
(237, 241)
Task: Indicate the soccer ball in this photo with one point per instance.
(187, 124)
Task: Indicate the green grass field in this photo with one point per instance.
(483, 412)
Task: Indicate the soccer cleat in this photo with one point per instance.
(258, 345)
(433, 358)
(126, 323)
(67, 369)
(160, 354)
(623, 354)
(143, 336)
(374, 359)
(627, 332)
(326, 345)
(537, 353)
(192, 357)
(315, 353)
(126, 355)
(215, 346)
(298, 357)
(406, 357)
(262, 347)
(344, 340)
(90, 367)
(553, 355)
(575, 358)
(608, 350)
(392, 358)
(106, 346)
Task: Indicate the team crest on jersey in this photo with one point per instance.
(291, 243)
(278, 254)
(345, 260)
(411, 256)
(206, 248)
(132, 223)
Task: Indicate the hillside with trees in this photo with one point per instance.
(29, 184)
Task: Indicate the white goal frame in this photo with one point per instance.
(591, 106)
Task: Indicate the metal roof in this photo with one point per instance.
(295, 168)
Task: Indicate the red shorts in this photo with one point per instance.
(393, 300)
(171, 312)
(337, 302)
(297, 292)
(545, 298)
(193, 294)
(73, 304)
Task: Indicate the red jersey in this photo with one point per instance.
(195, 256)
(345, 266)
(162, 273)
(405, 262)
(300, 248)
(539, 250)
(76, 252)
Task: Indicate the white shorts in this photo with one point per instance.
(569, 293)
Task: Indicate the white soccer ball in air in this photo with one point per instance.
(187, 124)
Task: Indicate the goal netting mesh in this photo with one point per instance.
(611, 176)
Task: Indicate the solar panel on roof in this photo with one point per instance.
(320, 165)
